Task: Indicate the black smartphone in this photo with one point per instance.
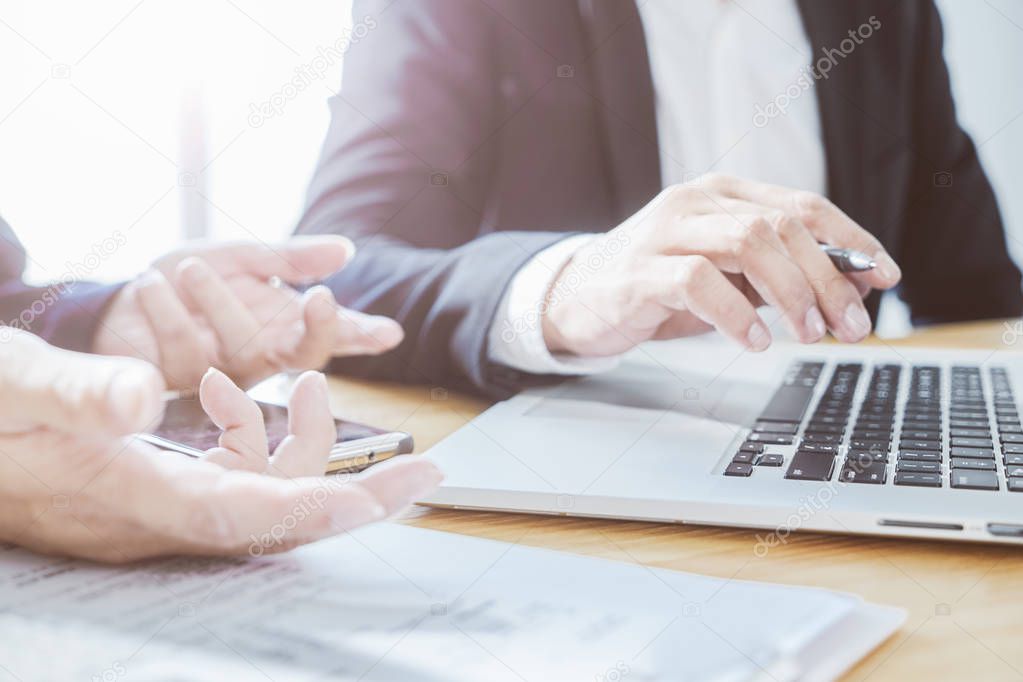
(187, 429)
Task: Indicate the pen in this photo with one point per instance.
(848, 260)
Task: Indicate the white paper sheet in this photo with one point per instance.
(399, 603)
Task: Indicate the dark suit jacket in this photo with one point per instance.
(66, 313)
(469, 135)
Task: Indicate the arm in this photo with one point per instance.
(954, 257)
(66, 313)
(402, 173)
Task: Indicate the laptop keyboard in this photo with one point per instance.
(966, 437)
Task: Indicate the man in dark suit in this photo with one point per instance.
(536, 186)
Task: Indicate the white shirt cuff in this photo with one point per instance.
(516, 337)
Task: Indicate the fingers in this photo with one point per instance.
(837, 297)
(329, 331)
(183, 357)
(825, 220)
(311, 430)
(400, 481)
(235, 326)
(46, 387)
(299, 260)
(749, 244)
(694, 284)
(243, 443)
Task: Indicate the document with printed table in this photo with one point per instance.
(394, 602)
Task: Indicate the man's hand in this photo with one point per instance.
(226, 306)
(705, 255)
(74, 482)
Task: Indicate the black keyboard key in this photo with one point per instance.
(920, 445)
(922, 426)
(739, 469)
(974, 480)
(1016, 485)
(1013, 460)
(810, 466)
(921, 480)
(1014, 472)
(853, 472)
(972, 443)
(775, 427)
(920, 467)
(920, 455)
(770, 459)
(752, 447)
(970, 433)
(978, 464)
(1015, 428)
(832, 429)
(1013, 448)
(866, 456)
(968, 424)
(827, 448)
(788, 404)
(921, 435)
(742, 457)
(770, 438)
(972, 453)
(1012, 438)
(832, 438)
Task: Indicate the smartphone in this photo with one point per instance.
(187, 429)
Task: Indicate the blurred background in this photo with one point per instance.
(151, 121)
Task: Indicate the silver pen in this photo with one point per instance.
(848, 260)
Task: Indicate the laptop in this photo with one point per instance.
(877, 440)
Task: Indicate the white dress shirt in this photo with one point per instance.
(715, 65)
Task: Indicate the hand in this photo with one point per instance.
(73, 482)
(215, 305)
(705, 255)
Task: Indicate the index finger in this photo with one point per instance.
(827, 222)
(299, 260)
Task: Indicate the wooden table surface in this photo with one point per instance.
(965, 601)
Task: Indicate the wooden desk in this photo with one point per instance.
(964, 600)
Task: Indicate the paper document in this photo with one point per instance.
(394, 602)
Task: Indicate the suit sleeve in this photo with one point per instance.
(66, 313)
(403, 172)
(955, 262)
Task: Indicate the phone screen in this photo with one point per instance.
(185, 422)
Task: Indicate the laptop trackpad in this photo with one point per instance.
(642, 393)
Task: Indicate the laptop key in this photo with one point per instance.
(968, 423)
(921, 435)
(1012, 438)
(830, 429)
(788, 404)
(920, 445)
(1012, 448)
(970, 433)
(1016, 485)
(921, 480)
(770, 459)
(833, 438)
(924, 467)
(1013, 460)
(752, 447)
(978, 464)
(739, 469)
(974, 480)
(920, 455)
(1014, 472)
(875, 473)
(972, 443)
(867, 456)
(818, 447)
(810, 466)
(770, 438)
(775, 427)
(742, 457)
(972, 453)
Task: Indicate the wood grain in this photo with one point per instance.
(965, 613)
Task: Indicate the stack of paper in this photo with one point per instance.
(400, 603)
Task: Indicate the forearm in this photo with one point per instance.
(65, 315)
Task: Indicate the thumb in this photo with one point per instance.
(46, 387)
